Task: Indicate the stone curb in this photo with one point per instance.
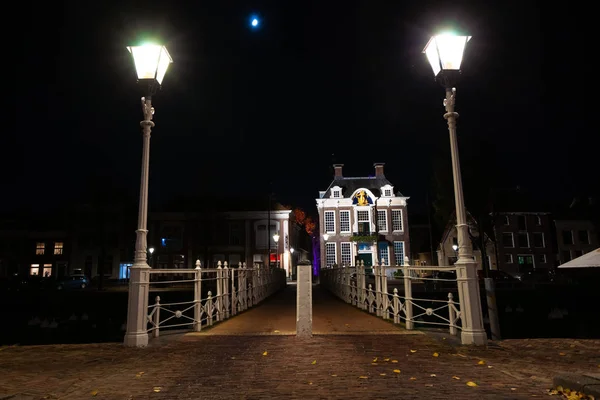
(587, 384)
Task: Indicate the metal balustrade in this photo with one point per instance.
(236, 290)
(350, 284)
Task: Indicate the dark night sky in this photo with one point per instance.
(240, 108)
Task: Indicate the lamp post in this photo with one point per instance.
(151, 251)
(291, 263)
(151, 63)
(445, 54)
(276, 239)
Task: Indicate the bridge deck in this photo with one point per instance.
(331, 316)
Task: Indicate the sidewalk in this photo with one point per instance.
(268, 366)
(331, 316)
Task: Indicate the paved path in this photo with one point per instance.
(331, 316)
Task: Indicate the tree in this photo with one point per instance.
(299, 216)
(309, 225)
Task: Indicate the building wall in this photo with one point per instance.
(448, 256)
(575, 238)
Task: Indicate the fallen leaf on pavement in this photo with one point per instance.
(310, 383)
(383, 374)
(394, 361)
(157, 389)
(233, 358)
(375, 359)
(265, 353)
(513, 388)
(374, 364)
(561, 354)
(436, 354)
(433, 375)
(363, 377)
(314, 362)
(276, 331)
(333, 375)
(387, 359)
(94, 393)
(456, 377)
(489, 366)
(397, 371)
(429, 385)
(412, 378)
(481, 362)
(472, 384)
(413, 351)
(443, 338)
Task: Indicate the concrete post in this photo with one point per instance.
(304, 300)
(137, 307)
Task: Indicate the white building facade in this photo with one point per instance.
(362, 219)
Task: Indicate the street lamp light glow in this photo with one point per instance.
(276, 238)
(454, 247)
(254, 22)
(151, 250)
(151, 61)
(325, 237)
(445, 52)
(292, 250)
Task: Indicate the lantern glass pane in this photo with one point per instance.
(163, 63)
(451, 49)
(146, 60)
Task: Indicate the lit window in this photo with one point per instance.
(34, 270)
(397, 220)
(330, 221)
(346, 253)
(364, 222)
(399, 252)
(58, 248)
(47, 270)
(345, 221)
(40, 247)
(382, 220)
(330, 256)
(384, 256)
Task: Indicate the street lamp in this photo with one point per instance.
(151, 251)
(276, 239)
(151, 64)
(454, 247)
(445, 54)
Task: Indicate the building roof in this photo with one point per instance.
(350, 184)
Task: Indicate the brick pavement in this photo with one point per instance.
(347, 366)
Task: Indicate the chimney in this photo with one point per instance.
(379, 169)
(338, 170)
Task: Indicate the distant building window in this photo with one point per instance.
(397, 221)
(346, 253)
(506, 220)
(58, 248)
(364, 222)
(508, 240)
(382, 220)
(567, 237)
(345, 221)
(543, 259)
(538, 220)
(399, 252)
(40, 247)
(566, 255)
(34, 270)
(330, 255)
(538, 239)
(523, 240)
(584, 237)
(330, 221)
(384, 256)
(387, 193)
(508, 258)
(337, 194)
(47, 270)
(522, 223)
(578, 253)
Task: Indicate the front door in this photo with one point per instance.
(525, 263)
(366, 258)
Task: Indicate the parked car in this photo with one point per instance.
(72, 282)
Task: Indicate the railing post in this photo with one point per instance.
(377, 270)
(198, 297)
(226, 290)
(408, 309)
(384, 293)
(209, 309)
(243, 284)
(451, 314)
(234, 295)
(396, 305)
(137, 307)
(304, 300)
(362, 288)
(219, 299)
(155, 332)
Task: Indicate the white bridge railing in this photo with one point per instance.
(227, 292)
(350, 284)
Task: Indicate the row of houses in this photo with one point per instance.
(99, 241)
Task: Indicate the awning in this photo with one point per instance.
(591, 259)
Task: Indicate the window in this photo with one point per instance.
(47, 270)
(346, 253)
(364, 222)
(538, 220)
(330, 256)
(584, 237)
(345, 221)
(58, 248)
(567, 237)
(543, 259)
(397, 220)
(508, 258)
(329, 221)
(384, 256)
(236, 233)
(522, 223)
(399, 252)
(525, 262)
(382, 220)
(40, 247)
(506, 220)
(34, 270)
(578, 253)
(566, 255)
(387, 193)
(508, 240)
(538, 239)
(523, 239)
